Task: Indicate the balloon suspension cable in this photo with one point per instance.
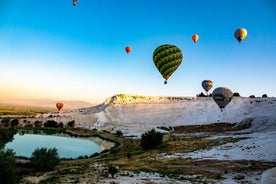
(221, 109)
(165, 82)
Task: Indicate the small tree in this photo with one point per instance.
(252, 96)
(14, 122)
(119, 133)
(38, 124)
(201, 95)
(7, 167)
(264, 96)
(6, 122)
(52, 124)
(236, 94)
(6, 134)
(112, 170)
(151, 139)
(71, 123)
(44, 159)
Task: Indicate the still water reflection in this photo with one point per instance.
(68, 147)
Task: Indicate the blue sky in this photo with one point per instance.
(52, 49)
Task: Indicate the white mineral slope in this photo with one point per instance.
(133, 113)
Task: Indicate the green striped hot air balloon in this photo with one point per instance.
(167, 59)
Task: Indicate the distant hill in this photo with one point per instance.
(42, 104)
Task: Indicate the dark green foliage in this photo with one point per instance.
(151, 139)
(52, 124)
(61, 125)
(38, 124)
(71, 123)
(6, 134)
(14, 122)
(252, 96)
(6, 122)
(201, 95)
(119, 133)
(264, 96)
(44, 159)
(236, 94)
(128, 155)
(112, 170)
(7, 167)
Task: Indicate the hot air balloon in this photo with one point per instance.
(222, 96)
(75, 2)
(240, 34)
(207, 85)
(128, 49)
(195, 37)
(167, 59)
(59, 105)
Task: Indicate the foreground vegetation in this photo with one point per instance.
(128, 157)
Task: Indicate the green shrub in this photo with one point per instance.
(151, 139)
(71, 123)
(6, 122)
(38, 124)
(6, 134)
(112, 170)
(119, 133)
(7, 167)
(14, 122)
(52, 124)
(44, 159)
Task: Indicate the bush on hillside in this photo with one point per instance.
(5, 122)
(264, 96)
(236, 94)
(151, 139)
(71, 123)
(201, 95)
(14, 122)
(119, 133)
(52, 124)
(38, 124)
(112, 170)
(44, 159)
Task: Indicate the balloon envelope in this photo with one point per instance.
(222, 96)
(240, 34)
(167, 59)
(128, 49)
(59, 105)
(195, 37)
(207, 85)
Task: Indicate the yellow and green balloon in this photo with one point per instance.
(167, 58)
(207, 85)
(240, 34)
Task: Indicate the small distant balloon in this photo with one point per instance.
(128, 49)
(167, 59)
(240, 34)
(59, 105)
(75, 2)
(222, 96)
(195, 37)
(207, 85)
